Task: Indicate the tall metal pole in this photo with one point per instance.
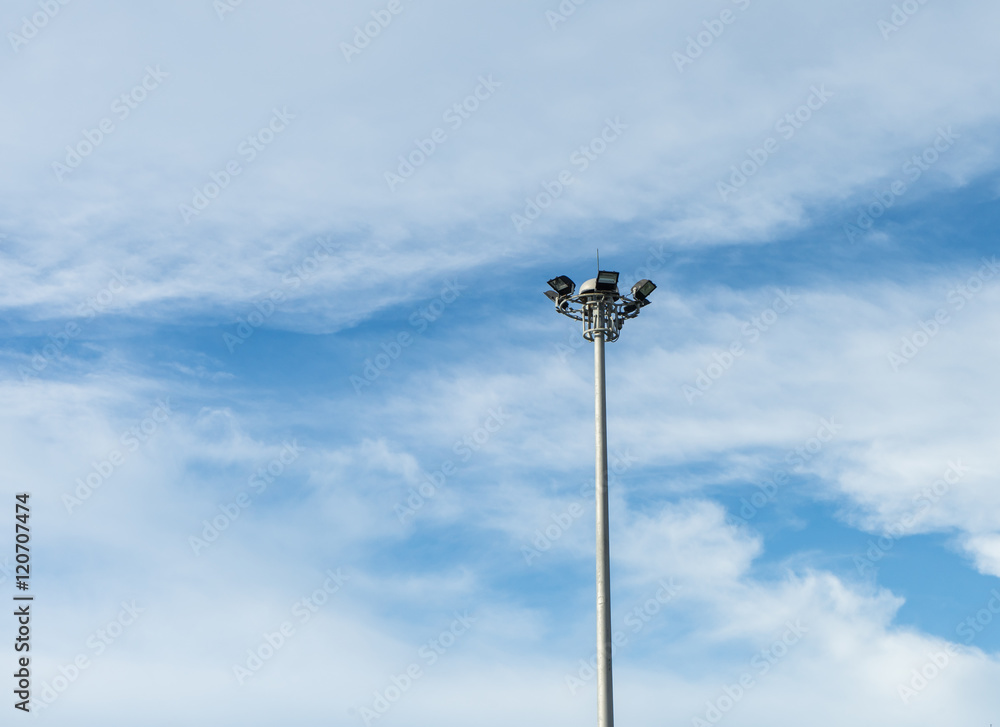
(605, 708)
(603, 311)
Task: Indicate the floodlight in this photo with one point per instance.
(562, 285)
(607, 281)
(642, 289)
(552, 295)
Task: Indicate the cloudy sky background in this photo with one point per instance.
(362, 337)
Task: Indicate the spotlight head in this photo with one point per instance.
(642, 289)
(562, 285)
(607, 281)
(552, 295)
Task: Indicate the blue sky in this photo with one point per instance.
(307, 444)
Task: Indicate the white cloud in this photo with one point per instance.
(324, 173)
(986, 551)
(313, 219)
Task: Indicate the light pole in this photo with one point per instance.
(603, 311)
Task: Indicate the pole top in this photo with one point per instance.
(599, 303)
